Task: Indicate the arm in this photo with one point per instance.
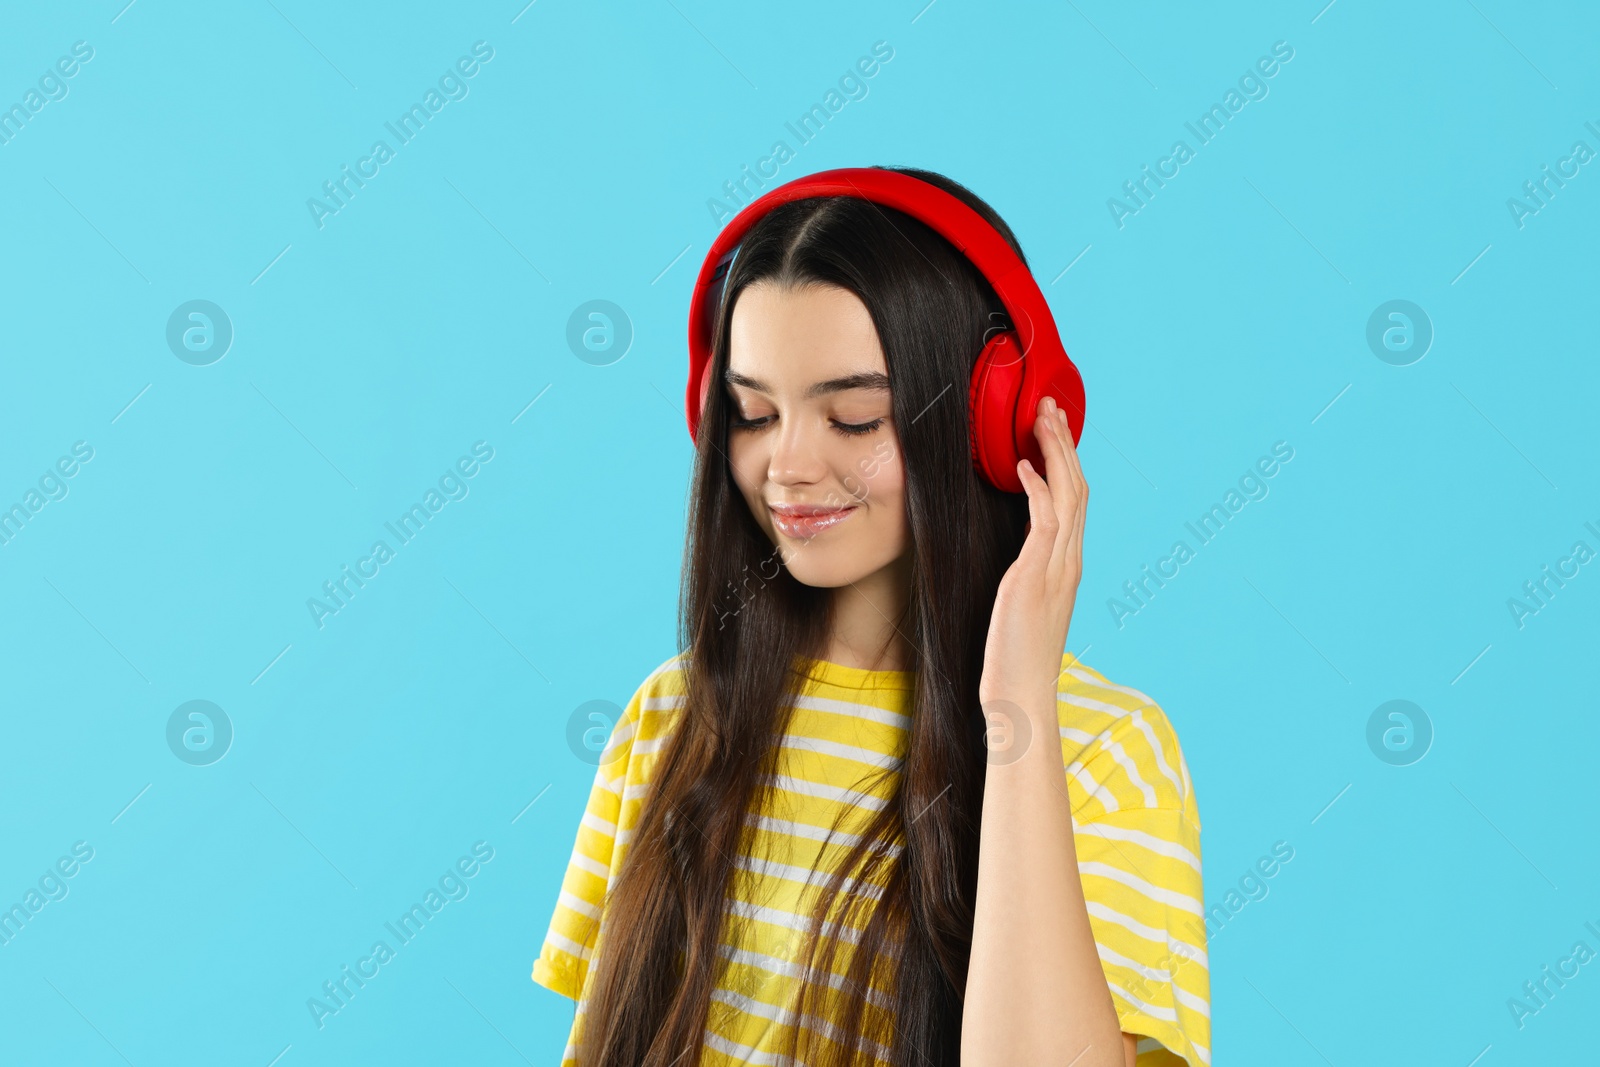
(1036, 991)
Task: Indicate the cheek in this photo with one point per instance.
(889, 528)
(748, 467)
(882, 473)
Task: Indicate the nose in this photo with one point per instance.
(797, 451)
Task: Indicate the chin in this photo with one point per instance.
(827, 566)
(819, 575)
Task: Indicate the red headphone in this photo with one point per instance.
(1017, 367)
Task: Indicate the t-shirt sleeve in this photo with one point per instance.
(1137, 832)
(563, 960)
(1141, 877)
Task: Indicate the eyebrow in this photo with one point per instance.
(862, 380)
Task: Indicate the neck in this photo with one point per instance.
(868, 620)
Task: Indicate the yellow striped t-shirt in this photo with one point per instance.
(1135, 818)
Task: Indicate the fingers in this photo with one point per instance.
(1042, 522)
(1080, 490)
(1063, 474)
(1041, 507)
(1063, 434)
(1081, 493)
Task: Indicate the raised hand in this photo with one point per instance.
(1033, 606)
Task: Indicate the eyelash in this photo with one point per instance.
(844, 429)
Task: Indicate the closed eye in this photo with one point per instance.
(858, 428)
(844, 429)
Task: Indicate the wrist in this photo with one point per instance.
(1014, 728)
(1036, 701)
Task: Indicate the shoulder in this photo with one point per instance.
(669, 679)
(648, 715)
(1120, 747)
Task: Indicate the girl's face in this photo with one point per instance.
(812, 430)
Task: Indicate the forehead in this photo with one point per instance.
(791, 338)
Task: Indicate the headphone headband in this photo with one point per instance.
(952, 219)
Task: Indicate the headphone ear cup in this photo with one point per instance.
(991, 408)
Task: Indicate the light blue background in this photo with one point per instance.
(1228, 314)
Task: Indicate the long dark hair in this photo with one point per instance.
(744, 618)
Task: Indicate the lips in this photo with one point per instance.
(807, 520)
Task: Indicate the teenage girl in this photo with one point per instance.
(873, 812)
